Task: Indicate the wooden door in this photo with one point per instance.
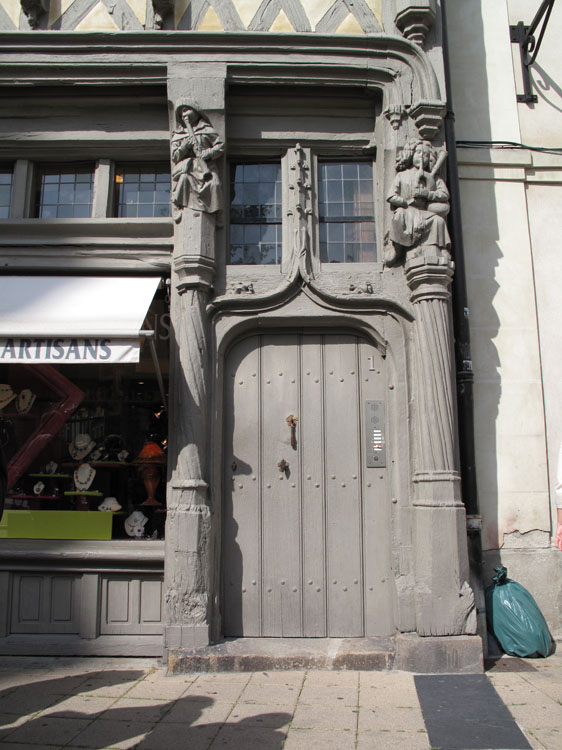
(306, 549)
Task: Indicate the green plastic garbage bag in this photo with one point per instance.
(515, 618)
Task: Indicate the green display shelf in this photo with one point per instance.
(55, 524)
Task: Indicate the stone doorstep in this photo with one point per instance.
(404, 652)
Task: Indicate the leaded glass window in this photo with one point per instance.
(346, 212)
(143, 191)
(255, 214)
(64, 192)
(6, 179)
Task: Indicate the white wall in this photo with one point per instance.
(512, 219)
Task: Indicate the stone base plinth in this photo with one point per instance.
(460, 654)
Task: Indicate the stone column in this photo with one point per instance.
(444, 599)
(188, 578)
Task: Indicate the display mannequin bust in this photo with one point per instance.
(84, 476)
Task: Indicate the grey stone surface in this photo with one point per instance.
(327, 709)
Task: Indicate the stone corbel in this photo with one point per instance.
(161, 8)
(428, 116)
(414, 18)
(395, 113)
(33, 10)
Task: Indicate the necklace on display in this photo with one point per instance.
(84, 476)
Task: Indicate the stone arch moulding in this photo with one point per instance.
(385, 324)
(395, 66)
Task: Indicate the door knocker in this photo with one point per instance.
(292, 422)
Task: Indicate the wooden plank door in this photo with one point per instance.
(306, 528)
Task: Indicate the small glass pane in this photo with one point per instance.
(64, 193)
(5, 191)
(255, 214)
(346, 210)
(144, 191)
(65, 212)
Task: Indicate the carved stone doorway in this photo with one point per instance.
(306, 525)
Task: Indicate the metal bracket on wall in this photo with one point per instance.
(529, 47)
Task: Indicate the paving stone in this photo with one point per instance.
(275, 694)
(115, 734)
(543, 738)
(111, 684)
(325, 717)
(256, 714)
(9, 722)
(397, 719)
(249, 738)
(79, 706)
(138, 709)
(226, 689)
(344, 695)
(167, 736)
(545, 714)
(46, 730)
(27, 700)
(159, 686)
(330, 678)
(199, 710)
(316, 739)
(393, 741)
(274, 678)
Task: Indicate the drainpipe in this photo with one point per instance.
(465, 378)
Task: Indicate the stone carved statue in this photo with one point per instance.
(420, 203)
(195, 147)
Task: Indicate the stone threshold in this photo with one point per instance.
(404, 652)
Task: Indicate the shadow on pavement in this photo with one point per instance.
(145, 725)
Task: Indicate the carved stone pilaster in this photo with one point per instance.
(299, 212)
(188, 524)
(429, 280)
(444, 599)
(197, 149)
(414, 18)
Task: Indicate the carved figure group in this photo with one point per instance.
(195, 147)
(420, 202)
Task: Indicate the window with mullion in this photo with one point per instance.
(255, 213)
(346, 212)
(64, 192)
(143, 191)
(6, 181)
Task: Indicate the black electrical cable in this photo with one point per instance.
(509, 145)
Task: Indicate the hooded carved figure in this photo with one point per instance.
(195, 147)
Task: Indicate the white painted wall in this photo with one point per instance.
(512, 219)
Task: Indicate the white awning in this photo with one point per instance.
(73, 319)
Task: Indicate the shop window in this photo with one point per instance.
(255, 214)
(346, 213)
(142, 191)
(6, 178)
(64, 192)
(86, 445)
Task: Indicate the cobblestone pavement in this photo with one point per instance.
(104, 703)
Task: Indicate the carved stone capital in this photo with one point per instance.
(194, 272)
(34, 9)
(414, 18)
(428, 116)
(429, 276)
(161, 8)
